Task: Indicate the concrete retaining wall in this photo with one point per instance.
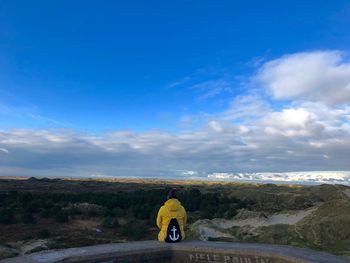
(184, 252)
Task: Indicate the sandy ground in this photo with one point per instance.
(282, 218)
(30, 245)
(211, 232)
(347, 192)
(216, 227)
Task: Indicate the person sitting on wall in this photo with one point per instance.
(171, 219)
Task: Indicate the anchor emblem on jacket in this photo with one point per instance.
(175, 236)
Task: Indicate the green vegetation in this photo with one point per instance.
(110, 222)
(138, 208)
(7, 251)
(27, 218)
(327, 228)
(71, 213)
(7, 216)
(44, 233)
(324, 229)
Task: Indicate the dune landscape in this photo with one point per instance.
(89, 212)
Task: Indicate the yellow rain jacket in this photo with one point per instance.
(171, 209)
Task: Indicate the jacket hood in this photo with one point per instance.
(172, 204)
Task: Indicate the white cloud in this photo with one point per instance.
(292, 139)
(212, 88)
(245, 108)
(4, 150)
(312, 177)
(322, 76)
(310, 132)
(291, 122)
(215, 125)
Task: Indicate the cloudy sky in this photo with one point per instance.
(181, 89)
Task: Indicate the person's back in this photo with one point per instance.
(172, 209)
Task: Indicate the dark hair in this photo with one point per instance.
(172, 194)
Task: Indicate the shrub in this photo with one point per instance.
(110, 222)
(28, 237)
(61, 217)
(7, 216)
(230, 213)
(134, 230)
(27, 218)
(43, 233)
(45, 212)
(55, 210)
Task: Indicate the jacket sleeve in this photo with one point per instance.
(159, 218)
(185, 216)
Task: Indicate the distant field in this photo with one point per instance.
(9, 183)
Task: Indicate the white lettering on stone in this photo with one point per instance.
(214, 258)
(192, 258)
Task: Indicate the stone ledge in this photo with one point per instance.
(187, 251)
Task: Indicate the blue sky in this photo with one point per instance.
(100, 66)
(95, 68)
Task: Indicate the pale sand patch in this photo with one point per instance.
(206, 232)
(83, 224)
(290, 218)
(347, 192)
(217, 226)
(28, 246)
